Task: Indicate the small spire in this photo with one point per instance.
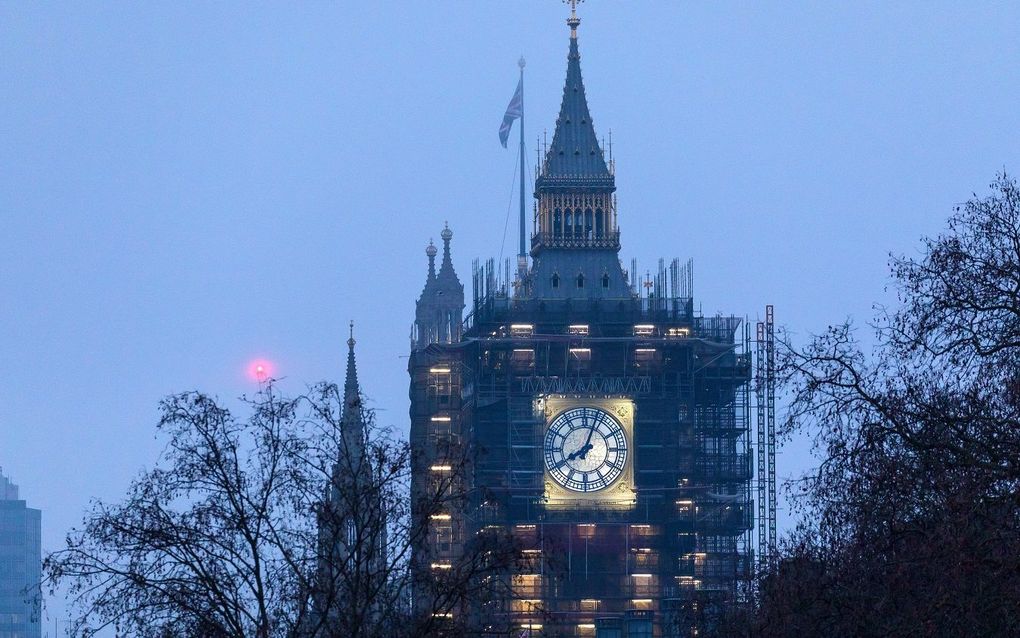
(352, 423)
(352, 392)
(431, 253)
(447, 235)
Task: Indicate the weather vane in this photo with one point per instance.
(573, 6)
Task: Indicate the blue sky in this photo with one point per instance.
(187, 186)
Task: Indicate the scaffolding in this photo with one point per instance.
(765, 399)
(682, 550)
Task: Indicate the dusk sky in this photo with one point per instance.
(187, 187)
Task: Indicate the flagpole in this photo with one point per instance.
(522, 256)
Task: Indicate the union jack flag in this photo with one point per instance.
(513, 111)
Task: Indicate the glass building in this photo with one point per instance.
(20, 565)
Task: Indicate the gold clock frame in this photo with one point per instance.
(620, 493)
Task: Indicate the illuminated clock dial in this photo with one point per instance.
(585, 449)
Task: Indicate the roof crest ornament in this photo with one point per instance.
(573, 21)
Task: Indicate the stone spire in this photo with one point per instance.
(352, 419)
(575, 157)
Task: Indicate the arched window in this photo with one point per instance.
(605, 280)
(600, 227)
(557, 223)
(555, 280)
(589, 223)
(580, 281)
(568, 222)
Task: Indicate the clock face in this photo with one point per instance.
(585, 449)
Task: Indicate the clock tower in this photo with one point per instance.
(606, 421)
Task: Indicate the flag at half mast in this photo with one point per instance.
(514, 110)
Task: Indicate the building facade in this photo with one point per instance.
(20, 565)
(605, 421)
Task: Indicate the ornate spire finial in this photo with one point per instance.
(573, 21)
(447, 234)
(431, 253)
(350, 341)
(521, 62)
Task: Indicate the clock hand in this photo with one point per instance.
(581, 452)
(587, 444)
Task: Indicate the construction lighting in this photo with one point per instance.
(641, 575)
(440, 517)
(578, 329)
(441, 468)
(440, 419)
(442, 566)
(439, 370)
(522, 329)
(644, 350)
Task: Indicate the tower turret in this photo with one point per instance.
(440, 308)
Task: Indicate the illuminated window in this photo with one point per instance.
(521, 330)
(589, 604)
(645, 356)
(523, 358)
(644, 330)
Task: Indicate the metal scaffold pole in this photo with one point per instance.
(759, 396)
(770, 392)
(765, 402)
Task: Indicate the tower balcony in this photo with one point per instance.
(609, 240)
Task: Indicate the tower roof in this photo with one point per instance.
(352, 419)
(575, 158)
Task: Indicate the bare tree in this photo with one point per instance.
(272, 525)
(911, 523)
